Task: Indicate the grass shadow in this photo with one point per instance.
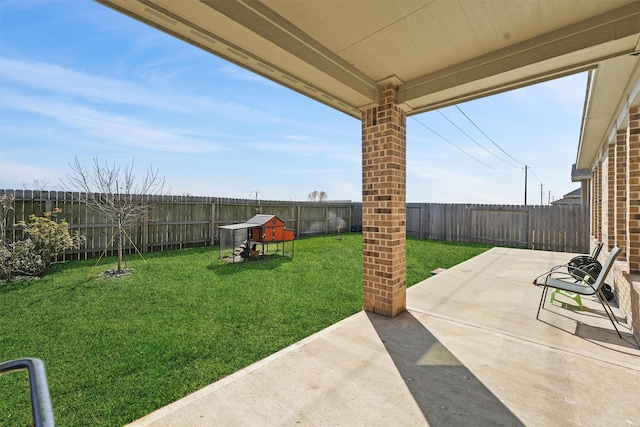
(18, 283)
(268, 262)
(173, 253)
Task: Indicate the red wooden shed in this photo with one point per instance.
(262, 229)
(269, 228)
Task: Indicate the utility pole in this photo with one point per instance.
(541, 202)
(525, 184)
(549, 198)
(259, 208)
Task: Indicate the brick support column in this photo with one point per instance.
(384, 206)
(633, 190)
(621, 192)
(596, 208)
(593, 203)
(609, 183)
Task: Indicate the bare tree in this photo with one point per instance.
(39, 185)
(114, 191)
(318, 196)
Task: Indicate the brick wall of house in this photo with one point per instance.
(616, 215)
(627, 291)
(633, 190)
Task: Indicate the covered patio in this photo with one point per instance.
(468, 351)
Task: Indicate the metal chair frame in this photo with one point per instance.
(567, 282)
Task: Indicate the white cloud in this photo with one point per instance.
(20, 175)
(302, 138)
(56, 79)
(298, 149)
(64, 82)
(117, 129)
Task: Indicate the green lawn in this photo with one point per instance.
(117, 349)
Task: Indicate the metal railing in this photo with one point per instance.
(40, 399)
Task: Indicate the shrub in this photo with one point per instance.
(6, 205)
(45, 240)
(25, 260)
(6, 264)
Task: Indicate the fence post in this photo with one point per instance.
(326, 220)
(145, 226)
(421, 222)
(212, 225)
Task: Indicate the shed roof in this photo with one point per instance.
(256, 221)
(239, 226)
(261, 219)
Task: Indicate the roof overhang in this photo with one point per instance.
(579, 174)
(437, 53)
(613, 87)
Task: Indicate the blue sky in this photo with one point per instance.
(79, 79)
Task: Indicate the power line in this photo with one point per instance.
(468, 154)
(477, 143)
(500, 148)
(534, 175)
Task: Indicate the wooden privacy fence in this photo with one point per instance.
(173, 222)
(561, 228)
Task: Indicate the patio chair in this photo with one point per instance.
(579, 267)
(566, 281)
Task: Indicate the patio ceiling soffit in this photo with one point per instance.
(253, 35)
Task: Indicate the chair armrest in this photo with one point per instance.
(569, 275)
(553, 270)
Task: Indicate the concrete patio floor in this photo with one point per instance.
(468, 352)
